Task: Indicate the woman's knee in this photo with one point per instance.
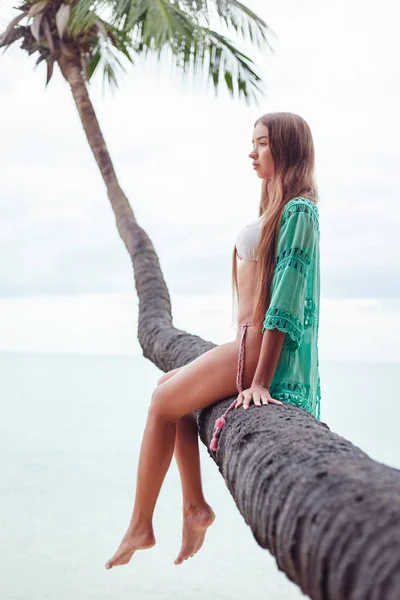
(159, 404)
(167, 376)
(162, 379)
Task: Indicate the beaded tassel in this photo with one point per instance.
(219, 425)
(221, 421)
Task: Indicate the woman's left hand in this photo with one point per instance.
(257, 394)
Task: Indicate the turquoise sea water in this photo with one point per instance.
(70, 432)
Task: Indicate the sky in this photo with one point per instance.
(181, 155)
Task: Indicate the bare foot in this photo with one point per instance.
(195, 524)
(136, 538)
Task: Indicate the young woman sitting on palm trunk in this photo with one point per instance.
(274, 358)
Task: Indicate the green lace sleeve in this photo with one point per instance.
(296, 244)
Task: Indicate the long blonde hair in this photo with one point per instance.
(292, 149)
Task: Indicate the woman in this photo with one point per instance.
(278, 287)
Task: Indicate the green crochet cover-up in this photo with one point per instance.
(294, 306)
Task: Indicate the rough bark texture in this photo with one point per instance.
(327, 512)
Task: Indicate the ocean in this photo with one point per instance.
(70, 433)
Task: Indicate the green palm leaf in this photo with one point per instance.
(99, 31)
(184, 29)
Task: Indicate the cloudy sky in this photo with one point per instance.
(180, 153)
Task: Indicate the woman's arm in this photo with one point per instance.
(270, 352)
(258, 392)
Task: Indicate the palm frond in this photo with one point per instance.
(245, 22)
(8, 36)
(237, 69)
(104, 53)
(197, 49)
(182, 26)
(233, 13)
(104, 41)
(99, 30)
(81, 21)
(53, 24)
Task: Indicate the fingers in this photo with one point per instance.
(257, 399)
(270, 400)
(246, 397)
(274, 401)
(247, 400)
(239, 400)
(243, 400)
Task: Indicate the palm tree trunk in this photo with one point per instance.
(155, 320)
(327, 512)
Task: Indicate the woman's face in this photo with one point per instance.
(261, 153)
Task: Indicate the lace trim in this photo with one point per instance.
(284, 321)
(301, 205)
(297, 394)
(310, 313)
(297, 258)
(297, 253)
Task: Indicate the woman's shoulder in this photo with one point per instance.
(301, 204)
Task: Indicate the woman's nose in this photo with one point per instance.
(253, 153)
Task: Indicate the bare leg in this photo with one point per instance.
(197, 513)
(208, 378)
(154, 459)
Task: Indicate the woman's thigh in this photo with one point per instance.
(207, 379)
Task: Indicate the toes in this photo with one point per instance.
(182, 557)
(198, 546)
(178, 560)
(111, 562)
(119, 559)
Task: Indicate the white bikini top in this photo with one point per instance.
(248, 239)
